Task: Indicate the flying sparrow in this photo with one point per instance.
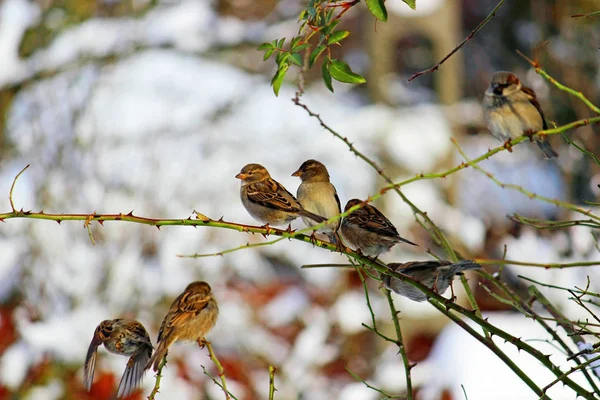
(436, 275)
(368, 230)
(191, 316)
(126, 337)
(511, 109)
(267, 200)
(316, 194)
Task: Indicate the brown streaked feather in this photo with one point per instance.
(534, 101)
(268, 194)
(187, 306)
(371, 219)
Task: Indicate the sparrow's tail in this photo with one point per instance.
(464, 265)
(317, 218)
(546, 148)
(134, 371)
(158, 355)
(401, 239)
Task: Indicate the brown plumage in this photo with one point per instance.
(317, 195)
(267, 201)
(368, 230)
(191, 316)
(125, 337)
(512, 109)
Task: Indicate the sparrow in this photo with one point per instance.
(511, 109)
(267, 201)
(368, 230)
(191, 316)
(317, 195)
(436, 275)
(126, 337)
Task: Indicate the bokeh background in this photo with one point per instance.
(154, 106)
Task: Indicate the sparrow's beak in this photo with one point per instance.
(241, 176)
(297, 173)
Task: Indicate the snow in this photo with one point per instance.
(456, 354)
(163, 132)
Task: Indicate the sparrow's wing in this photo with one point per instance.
(534, 101)
(420, 266)
(371, 219)
(185, 307)
(90, 361)
(134, 371)
(272, 195)
(337, 200)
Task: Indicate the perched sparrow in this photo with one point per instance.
(191, 315)
(126, 337)
(436, 275)
(368, 230)
(511, 109)
(267, 200)
(316, 194)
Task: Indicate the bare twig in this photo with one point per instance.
(469, 37)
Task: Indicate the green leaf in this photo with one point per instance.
(340, 71)
(329, 28)
(411, 3)
(296, 58)
(301, 46)
(282, 57)
(268, 53)
(295, 42)
(311, 9)
(315, 54)
(378, 10)
(338, 36)
(327, 75)
(281, 42)
(278, 78)
(265, 46)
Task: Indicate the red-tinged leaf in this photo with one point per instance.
(337, 37)
(377, 8)
(327, 75)
(340, 71)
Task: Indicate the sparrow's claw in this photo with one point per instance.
(529, 133)
(313, 238)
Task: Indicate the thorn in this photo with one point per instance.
(189, 219)
(157, 227)
(101, 222)
(2, 220)
(58, 221)
(220, 219)
(130, 214)
(41, 211)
